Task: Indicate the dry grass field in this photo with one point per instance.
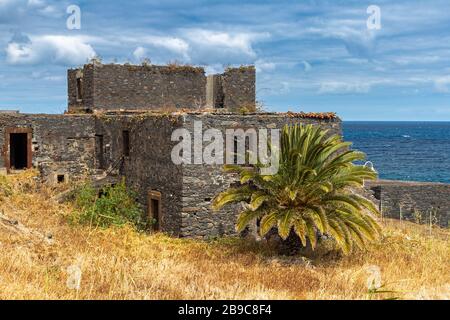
(119, 263)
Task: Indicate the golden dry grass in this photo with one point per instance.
(122, 264)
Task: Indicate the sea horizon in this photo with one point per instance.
(404, 150)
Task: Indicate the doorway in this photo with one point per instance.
(19, 147)
(154, 210)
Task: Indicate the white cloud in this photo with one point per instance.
(338, 87)
(264, 66)
(140, 53)
(166, 46)
(50, 48)
(442, 84)
(50, 11)
(214, 68)
(222, 40)
(54, 78)
(208, 46)
(39, 75)
(35, 3)
(173, 44)
(241, 42)
(198, 46)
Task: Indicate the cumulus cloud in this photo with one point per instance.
(173, 44)
(155, 47)
(227, 47)
(200, 46)
(221, 40)
(49, 48)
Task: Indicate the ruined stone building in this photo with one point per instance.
(119, 123)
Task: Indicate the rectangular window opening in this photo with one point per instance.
(126, 143)
(60, 178)
(79, 89)
(99, 150)
(235, 150)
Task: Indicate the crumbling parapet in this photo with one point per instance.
(97, 87)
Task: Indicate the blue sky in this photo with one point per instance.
(310, 55)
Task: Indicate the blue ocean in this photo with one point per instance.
(414, 151)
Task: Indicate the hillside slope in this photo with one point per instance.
(43, 257)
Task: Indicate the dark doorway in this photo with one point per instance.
(154, 209)
(18, 151)
(155, 213)
(126, 143)
(99, 149)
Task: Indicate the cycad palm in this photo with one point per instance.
(313, 190)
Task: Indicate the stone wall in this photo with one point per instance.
(415, 200)
(61, 144)
(238, 85)
(148, 166)
(114, 87)
(86, 88)
(74, 103)
(77, 146)
(201, 183)
(130, 87)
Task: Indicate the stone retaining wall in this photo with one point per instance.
(413, 201)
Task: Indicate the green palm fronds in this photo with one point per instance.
(314, 190)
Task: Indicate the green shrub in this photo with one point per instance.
(113, 206)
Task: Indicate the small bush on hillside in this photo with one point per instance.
(114, 206)
(5, 187)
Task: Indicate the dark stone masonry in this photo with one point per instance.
(109, 87)
(120, 124)
(200, 183)
(413, 201)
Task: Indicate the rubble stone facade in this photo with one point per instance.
(420, 202)
(71, 147)
(98, 87)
